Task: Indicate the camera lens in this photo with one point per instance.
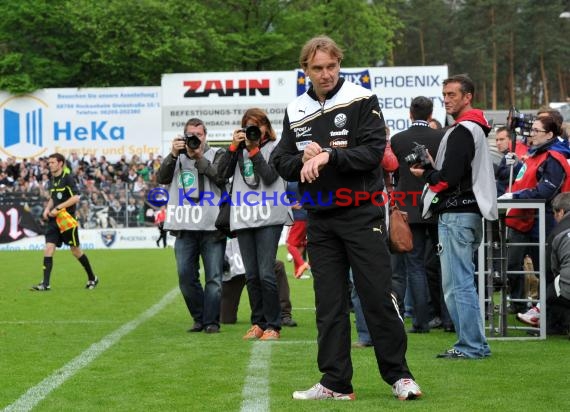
(192, 141)
(252, 133)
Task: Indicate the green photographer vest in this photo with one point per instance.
(188, 207)
(264, 205)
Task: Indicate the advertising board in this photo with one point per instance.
(91, 122)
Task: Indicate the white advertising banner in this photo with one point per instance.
(130, 120)
(397, 86)
(91, 121)
(220, 99)
(131, 238)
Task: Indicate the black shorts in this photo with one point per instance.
(69, 237)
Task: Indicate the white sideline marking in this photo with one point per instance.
(255, 393)
(37, 393)
(63, 322)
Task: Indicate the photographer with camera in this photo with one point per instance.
(511, 161)
(257, 216)
(460, 190)
(411, 147)
(191, 170)
(545, 174)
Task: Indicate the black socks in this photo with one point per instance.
(48, 264)
(85, 263)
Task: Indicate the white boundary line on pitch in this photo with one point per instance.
(255, 392)
(37, 393)
(63, 322)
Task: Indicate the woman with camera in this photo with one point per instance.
(544, 174)
(257, 215)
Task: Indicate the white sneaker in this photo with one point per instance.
(531, 317)
(406, 389)
(319, 392)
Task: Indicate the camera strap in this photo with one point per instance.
(200, 178)
(251, 180)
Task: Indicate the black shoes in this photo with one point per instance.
(361, 345)
(449, 328)
(418, 330)
(435, 323)
(288, 321)
(196, 327)
(40, 287)
(212, 329)
(92, 284)
(452, 354)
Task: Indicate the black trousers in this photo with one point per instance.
(354, 238)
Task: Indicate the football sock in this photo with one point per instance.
(85, 263)
(297, 257)
(48, 264)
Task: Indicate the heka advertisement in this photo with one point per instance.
(91, 122)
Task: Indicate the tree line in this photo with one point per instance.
(515, 50)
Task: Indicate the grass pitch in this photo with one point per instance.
(124, 347)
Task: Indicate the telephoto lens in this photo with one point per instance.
(252, 133)
(192, 141)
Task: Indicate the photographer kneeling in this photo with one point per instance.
(191, 170)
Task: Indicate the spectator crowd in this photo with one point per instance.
(113, 194)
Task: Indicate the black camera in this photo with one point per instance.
(419, 156)
(522, 121)
(252, 133)
(192, 141)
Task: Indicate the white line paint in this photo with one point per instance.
(56, 322)
(39, 392)
(255, 393)
(294, 342)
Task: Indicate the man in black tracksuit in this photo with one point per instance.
(333, 140)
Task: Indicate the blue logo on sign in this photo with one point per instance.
(33, 127)
(23, 130)
(108, 237)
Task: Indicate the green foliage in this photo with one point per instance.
(470, 36)
(37, 49)
(81, 43)
(85, 43)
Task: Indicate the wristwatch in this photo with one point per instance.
(332, 154)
